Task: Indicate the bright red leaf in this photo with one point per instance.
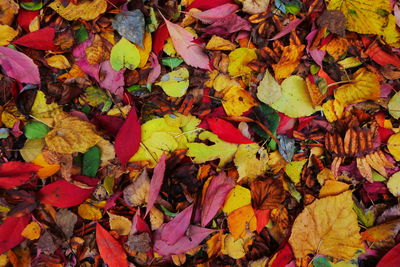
(207, 4)
(42, 39)
(227, 132)
(391, 259)
(15, 173)
(110, 249)
(10, 232)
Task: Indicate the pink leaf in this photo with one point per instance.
(177, 226)
(16, 173)
(128, 138)
(215, 13)
(191, 53)
(288, 28)
(227, 132)
(156, 183)
(316, 54)
(184, 243)
(215, 197)
(63, 194)
(227, 25)
(113, 80)
(155, 69)
(19, 66)
(10, 232)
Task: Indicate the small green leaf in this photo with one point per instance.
(365, 217)
(32, 6)
(81, 34)
(35, 130)
(91, 161)
(124, 55)
(168, 213)
(171, 62)
(109, 184)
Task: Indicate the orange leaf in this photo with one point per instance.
(110, 249)
(241, 220)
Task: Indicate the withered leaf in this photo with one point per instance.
(333, 20)
(267, 194)
(66, 220)
(139, 242)
(130, 24)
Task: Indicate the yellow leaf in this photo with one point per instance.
(31, 231)
(242, 220)
(237, 248)
(295, 101)
(269, 90)
(219, 150)
(98, 51)
(394, 145)
(394, 106)
(218, 43)
(169, 48)
(47, 169)
(288, 61)
(7, 34)
(364, 86)
(336, 47)
(238, 197)
(382, 235)
(145, 51)
(175, 83)
(333, 109)
(58, 61)
(251, 161)
(10, 116)
(85, 10)
(276, 161)
(328, 226)
(40, 109)
(3, 259)
(332, 188)
(89, 212)
(293, 170)
(70, 135)
(156, 218)
(223, 81)
(120, 224)
(236, 101)
(238, 60)
(350, 62)
(394, 184)
(32, 149)
(35, 24)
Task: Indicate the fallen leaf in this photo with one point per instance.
(156, 183)
(293, 170)
(120, 224)
(7, 34)
(268, 90)
(19, 66)
(219, 43)
(237, 248)
(32, 148)
(390, 258)
(251, 160)
(394, 184)
(382, 236)
(238, 60)
(86, 10)
(211, 15)
(267, 194)
(242, 220)
(124, 55)
(10, 9)
(111, 251)
(237, 101)
(113, 80)
(66, 220)
(137, 192)
(31, 231)
(35, 130)
(42, 39)
(215, 196)
(227, 132)
(238, 197)
(288, 62)
(394, 106)
(332, 188)
(175, 83)
(46, 169)
(16, 173)
(58, 61)
(255, 6)
(12, 226)
(192, 53)
(131, 25)
(325, 224)
(91, 162)
(178, 226)
(334, 21)
(394, 146)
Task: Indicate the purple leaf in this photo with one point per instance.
(184, 243)
(19, 66)
(215, 197)
(177, 226)
(227, 25)
(216, 13)
(113, 80)
(288, 28)
(156, 183)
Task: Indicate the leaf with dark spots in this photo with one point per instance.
(130, 24)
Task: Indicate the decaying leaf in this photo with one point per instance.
(267, 194)
(137, 192)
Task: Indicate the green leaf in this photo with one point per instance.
(171, 62)
(81, 34)
(91, 161)
(35, 130)
(321, 262)
(167, 212)
(32, 6)
(124, 55)
(365, 217)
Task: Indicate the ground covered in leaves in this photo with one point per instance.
(199, 133)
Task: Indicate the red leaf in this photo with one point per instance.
(215, 197)
(227, 132)
(110, 249)
(63, 194)
(156, 183)
(262, 219)
(15, 173)
(207, 4)
(42, 39)
(111, 124)
(283, 256)
(25, 18)
(177, 226)
(10, 232)
(128, 138)
(391, 259)
(160, 35)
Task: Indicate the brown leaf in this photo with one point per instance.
(334, 20)
(139, 242)
(267, 194)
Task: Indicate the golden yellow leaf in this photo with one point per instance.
(336, 47)
(236, 101)
(394, 145)
(242, 220)
(364, 86)
(276, 161)
(238, 60)
(8, 10)
(10, 116)
(35, 24)
(89, 212)
(40, 109)
(156, 218)
(251, 161)
(86, 10)
(223, 81)
(214, 244)
(328, 226)
(32, 149)
(145, 51)
(179, 259)
(7, 34)
(74, 72)
(382, 235)
(70, 135)
(3, 259)
(31, 231)
(169, 48)
(333, 109)
(58, 61)
(332, 188)
(47, 169)
(236, 248)
(218, 43)
(238, 197)
(288, 61)
(350, 62)
(120, 224)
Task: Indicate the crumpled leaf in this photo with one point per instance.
(16, 173)
(124, 54)
(255, 6)
(238, 197)
(111, 251)
(242, 220)
(328, 226)
(215, 197)
(267, 194)
(156, 183)
(131, 25)
(175, 83)
(219, 43)
(382, 236)
(70, 135)
(334, 21)
(251, 160)
(7, 34)
(220, 150)
(289, 61)
(268, 90)
(238, 60)
(19, 66)
(237, 248)
(85, 10)
(295, 101)
(137, 193)
(192, 53)
(9, 9)
(237, 101)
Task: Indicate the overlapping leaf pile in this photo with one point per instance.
(199, 133)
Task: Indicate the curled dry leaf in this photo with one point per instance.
(137, 193)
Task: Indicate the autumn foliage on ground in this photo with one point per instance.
(199, 133)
